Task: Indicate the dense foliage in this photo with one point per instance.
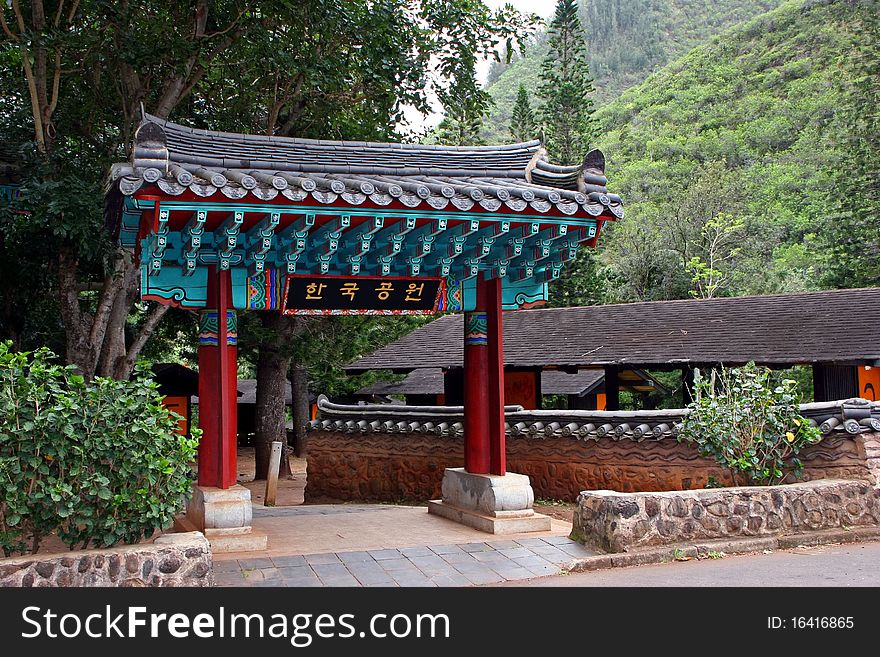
(465, 106)
(627, 41)
(95, 462)
(470, 31)
(747, 425)
(747, 166)
(852, 230)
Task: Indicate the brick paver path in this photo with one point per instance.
(464, 564)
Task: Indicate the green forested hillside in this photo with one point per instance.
(627, 39)
(731, 162)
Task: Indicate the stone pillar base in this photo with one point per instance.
(496, 504)
(224, 517)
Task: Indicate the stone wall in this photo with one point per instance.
(616, 522)
(171, 560)
(869, 447)
(389, 467)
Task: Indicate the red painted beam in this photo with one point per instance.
(209, 444)
(497, 445)
(476, 386)
(227, 383)
(217, 390)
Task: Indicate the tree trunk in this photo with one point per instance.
(125, 365)
(113, 347)
(299, 382)
(96, 342)
(270, 411)
(80, 352)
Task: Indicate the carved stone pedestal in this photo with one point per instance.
(224, 517)
(496, 504)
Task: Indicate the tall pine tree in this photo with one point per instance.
(523, 125)
(566, 87)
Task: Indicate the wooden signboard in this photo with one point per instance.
(361, 295)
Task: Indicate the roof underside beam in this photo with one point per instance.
(361, 244)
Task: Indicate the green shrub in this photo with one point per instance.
(749, 427)
(99, 462)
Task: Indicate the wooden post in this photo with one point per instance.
(272, 476)
(217, 385)
(687, 385)
(495, 334)
(476, 385)
(612, 388)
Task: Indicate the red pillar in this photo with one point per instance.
(217, 384)
(497, 446)
(476, 385)
(484, 444)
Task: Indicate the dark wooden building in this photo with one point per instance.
(584, 389)
(836, 332)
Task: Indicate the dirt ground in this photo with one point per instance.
(556, 509)
(290, 490)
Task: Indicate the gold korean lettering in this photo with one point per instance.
(384, 290)
(315, 290)
(414, 291)
(349, 290)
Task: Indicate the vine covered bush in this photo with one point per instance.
(96, 462)
(750, 427)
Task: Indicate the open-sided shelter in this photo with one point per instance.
(584, 389)
(836, 332)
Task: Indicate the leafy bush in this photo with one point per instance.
(97, 462)
(749, 427)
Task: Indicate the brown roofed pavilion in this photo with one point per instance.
(838, 332)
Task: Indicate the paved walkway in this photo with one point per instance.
(826, 565)
(388, 546)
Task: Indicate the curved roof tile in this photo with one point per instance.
(511, 176)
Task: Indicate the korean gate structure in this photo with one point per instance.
(222, 222)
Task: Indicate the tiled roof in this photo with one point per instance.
(840, 326)
(429, 381)
(514, 177)
(554, 382)
(851, 416)
(425, 381)
(247, 392)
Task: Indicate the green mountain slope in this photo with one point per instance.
(628, 39)
(750, 123)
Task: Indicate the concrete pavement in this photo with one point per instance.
(386, 545)
(852, 565)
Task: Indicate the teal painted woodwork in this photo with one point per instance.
(260, 244)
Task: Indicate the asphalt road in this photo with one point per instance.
(856, 564)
